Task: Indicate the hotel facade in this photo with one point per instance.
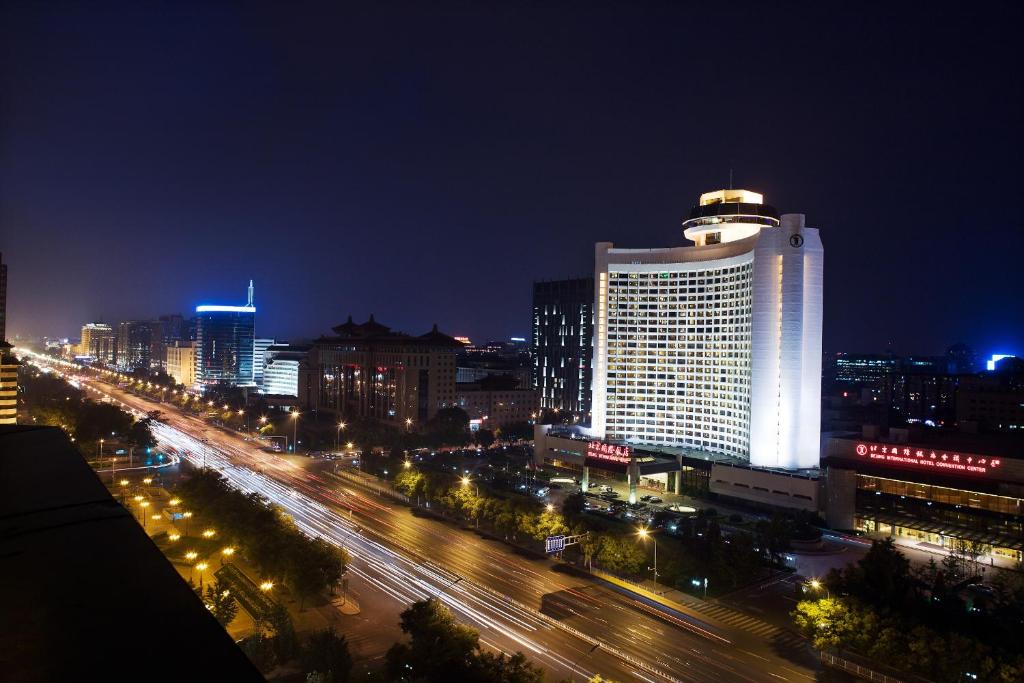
(717, 346)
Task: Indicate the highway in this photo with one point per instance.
(517, 603)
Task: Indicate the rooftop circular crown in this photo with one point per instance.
(727, 216)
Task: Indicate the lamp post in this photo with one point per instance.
(408, 425)
(337, 436)
(295, 431)
(643, 533)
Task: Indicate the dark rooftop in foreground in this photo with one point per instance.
(86, 594)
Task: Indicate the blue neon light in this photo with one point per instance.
(225, 309)
(990, 364)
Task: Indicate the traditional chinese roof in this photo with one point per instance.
(374, 332)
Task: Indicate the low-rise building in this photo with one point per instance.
(284, 372)
(497, 406)
(935, 487)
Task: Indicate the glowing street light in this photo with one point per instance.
(191, 555)
(267, 586)
(295, 431)
(643, 533)
(172, 537)
(174, 501)
(209, 533)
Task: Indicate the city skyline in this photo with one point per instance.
(363, 174)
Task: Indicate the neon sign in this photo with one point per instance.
(607, 451)
(925, 458)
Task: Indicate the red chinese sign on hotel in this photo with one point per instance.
(607, 451)
(926, 458)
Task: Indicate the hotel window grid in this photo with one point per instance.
(678, 357)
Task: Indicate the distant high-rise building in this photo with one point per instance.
(100, 342)
(140, 345)
(3, 299)
(180, 362)
(716, 346)
(259, 358)
(8, 363)
(224, 343)
(562, 344)
(174, 327)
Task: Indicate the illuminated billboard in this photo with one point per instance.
(914, 457)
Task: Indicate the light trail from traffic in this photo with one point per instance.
(401, 555)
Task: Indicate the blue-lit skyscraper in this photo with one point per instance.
(224, 343)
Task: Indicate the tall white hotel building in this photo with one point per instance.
(715, 346)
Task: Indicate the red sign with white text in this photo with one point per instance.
(607, 451)
(928, 459)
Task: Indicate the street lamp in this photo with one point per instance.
(144, 504)
(209, 533)
(816, 586)
(643, 533)
(408, 424)
(337, 435)
(226, 552)
(201, 567)
(188, 516)
(267, 586)
(295, 431)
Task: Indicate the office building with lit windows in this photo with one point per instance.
(714, 347)
(369, 370)
(225, 343)
(561, 348)
(99, 342)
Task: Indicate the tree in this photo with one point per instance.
(327, 653)
(484, 437)
(221, 603)
(621, 555)
(439, 647)
(285, 643)
(824, 622)
(501, 668)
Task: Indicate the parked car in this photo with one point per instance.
(646, 498)
(605, 488)
(653, 500)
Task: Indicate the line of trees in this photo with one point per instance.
(918, 621)
(49, 400)
(698, 547)
(268, 536)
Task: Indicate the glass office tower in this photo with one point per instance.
(224, 344)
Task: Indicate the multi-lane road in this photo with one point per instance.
(516, 602)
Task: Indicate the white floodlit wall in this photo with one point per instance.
(281, 377)
(786, 363)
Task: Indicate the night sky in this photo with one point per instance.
(427, 166)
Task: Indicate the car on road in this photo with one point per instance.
(605, 488)
(646, 498)
(653, 500)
